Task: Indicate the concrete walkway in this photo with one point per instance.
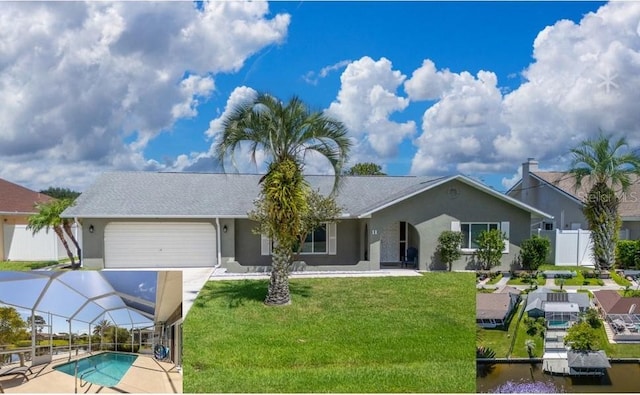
(193, 279)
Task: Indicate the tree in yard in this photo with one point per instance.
(285, 133)
(448, 247)
(48, 217)
(60, 193)
(12, 326)
(490, 247)
(582, 337)
(101, 329)
(592, 318)
(365, 169)
(607, 165)
(530, 345)
(321, 209)
(38, 321)
(534, 251)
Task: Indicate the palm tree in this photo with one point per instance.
(285, 133)
(100, 329)
(604, 164)
(530, 345)
(48, 217)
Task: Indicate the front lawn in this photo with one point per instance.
(391, 334)
(579, 279)
(619, 279)
(516, 280)
(24, 266)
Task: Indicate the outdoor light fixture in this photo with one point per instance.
(91, 228)
(224, 229)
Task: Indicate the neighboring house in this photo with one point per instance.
(17, 243)
(556, 193)
(559, 309)
(622, 314)
(146, 219)
(493, 310)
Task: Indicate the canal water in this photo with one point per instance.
(621, 377)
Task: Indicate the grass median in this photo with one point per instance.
(389, 334)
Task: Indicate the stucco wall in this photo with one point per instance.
(551, 201)
(432, 212)
(248, 256)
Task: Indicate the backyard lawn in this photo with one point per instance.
(502, 341)
(390, 334)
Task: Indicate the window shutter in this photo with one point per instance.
(455, 226)
(504, 228)
(265, 245)
(331, 237)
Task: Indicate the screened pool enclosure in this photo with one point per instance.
(69, 313)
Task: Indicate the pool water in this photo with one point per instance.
(105, 369)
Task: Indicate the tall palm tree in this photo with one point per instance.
(607, 165)
(101, 328)
(48, 217)
(285, 133)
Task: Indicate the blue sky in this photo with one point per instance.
(424, 87)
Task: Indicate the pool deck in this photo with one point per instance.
(146, 375)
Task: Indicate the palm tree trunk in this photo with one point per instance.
(67, 228)
(60, 233)
(279, 293)
(601, 211)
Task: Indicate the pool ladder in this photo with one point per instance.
(81, 376)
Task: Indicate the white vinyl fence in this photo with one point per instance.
(569, 247)
(21, 244)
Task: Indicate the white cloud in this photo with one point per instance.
(312, 77)
(366, 100)
(465, 119)
(584, 79)
(89, 84)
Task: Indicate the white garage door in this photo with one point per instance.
(159, 244)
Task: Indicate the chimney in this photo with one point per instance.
(530, 166)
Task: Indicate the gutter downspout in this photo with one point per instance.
(218, 244)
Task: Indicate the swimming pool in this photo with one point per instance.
(105, 369)
(558, 324)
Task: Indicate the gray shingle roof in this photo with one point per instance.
(207, 195)
(591, 359)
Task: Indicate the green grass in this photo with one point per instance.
(24, 266)
(571, 268)
(618, 350)
(500, 340)
(579, 280)
(520, 281)
(619, 279)
(495, 280)
(392, 334)
(519, 349)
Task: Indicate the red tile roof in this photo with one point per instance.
(19, 200)
(629, 200)
(612, 303)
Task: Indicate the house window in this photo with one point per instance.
(316, 241)
(471, 232)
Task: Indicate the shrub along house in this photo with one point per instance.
(146, 219)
